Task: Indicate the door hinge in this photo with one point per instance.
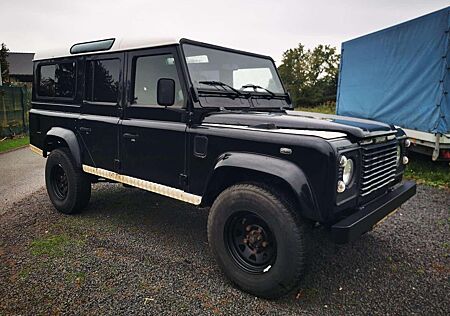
(183, 180)
(116, 165)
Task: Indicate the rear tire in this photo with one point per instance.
(258, 240)
(68, 187)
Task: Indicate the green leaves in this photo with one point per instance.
(4, 66)
(310, 75)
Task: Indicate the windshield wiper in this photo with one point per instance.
(254, 87)
(223, 85)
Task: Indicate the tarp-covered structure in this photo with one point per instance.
(400, 75)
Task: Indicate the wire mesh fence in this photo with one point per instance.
(15, 103)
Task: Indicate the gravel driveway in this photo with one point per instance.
(21, 173)
(132, 252)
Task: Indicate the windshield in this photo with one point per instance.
(213, 69)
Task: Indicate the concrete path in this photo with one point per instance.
(21, 173)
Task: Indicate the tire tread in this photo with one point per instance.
(79, 199)
(284, 205)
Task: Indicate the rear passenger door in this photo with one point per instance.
(153, 137)
(101, 110)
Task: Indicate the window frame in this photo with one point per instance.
(52, 62)
(100, 57)
(133, 56)
(193, 90)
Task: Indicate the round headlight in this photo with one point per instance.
(399, 154)
(347, 175)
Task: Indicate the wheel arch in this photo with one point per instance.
(62, 137)
(232, 168)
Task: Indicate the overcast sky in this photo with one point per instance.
(262, 26)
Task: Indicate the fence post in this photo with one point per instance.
(24, 126)
(12, 116)
(5, 119)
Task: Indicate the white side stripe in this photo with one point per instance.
(304, 132)
(36, 150)
(145, 185)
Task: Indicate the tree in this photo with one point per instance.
(310, 75)
(4, 66)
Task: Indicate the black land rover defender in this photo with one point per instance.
(211, 126)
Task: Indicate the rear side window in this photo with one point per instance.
(102, 80)
(57, 80)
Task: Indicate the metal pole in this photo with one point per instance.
(5, 120)
(24, 129)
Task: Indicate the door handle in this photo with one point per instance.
(85, 129)
(130, 136)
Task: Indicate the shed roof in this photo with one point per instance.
(20, 63)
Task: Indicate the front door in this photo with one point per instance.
(153, 138)
(101, 108)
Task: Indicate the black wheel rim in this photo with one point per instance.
(250, 242)
(59, 182)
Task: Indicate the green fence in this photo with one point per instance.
(15, 103)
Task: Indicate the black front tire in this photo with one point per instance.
(68, 187)
(269, 260)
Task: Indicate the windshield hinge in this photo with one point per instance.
(194, 94)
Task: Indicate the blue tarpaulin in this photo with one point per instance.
(400, 75)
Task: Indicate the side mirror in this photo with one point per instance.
(166, 91)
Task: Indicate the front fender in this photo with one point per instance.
(282, 169)
(71, 140)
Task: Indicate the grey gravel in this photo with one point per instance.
(132, 252)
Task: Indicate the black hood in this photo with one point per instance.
(355, 127)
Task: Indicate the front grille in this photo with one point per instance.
(379, 166)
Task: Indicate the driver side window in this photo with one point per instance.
(147, 71)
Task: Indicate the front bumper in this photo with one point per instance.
(363, 220)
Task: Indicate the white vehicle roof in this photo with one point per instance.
(118, 45)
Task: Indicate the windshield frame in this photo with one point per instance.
(197, 93)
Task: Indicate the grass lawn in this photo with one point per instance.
(18, 141)
(420, 168)
(423, 170)
(327, 108)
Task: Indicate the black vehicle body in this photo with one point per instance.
(192, 153)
